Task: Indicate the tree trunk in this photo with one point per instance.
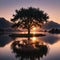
(28, 31)
(28, 35)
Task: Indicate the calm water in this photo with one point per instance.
(52, 41)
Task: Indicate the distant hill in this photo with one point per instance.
(51, 25)
(54, 31)
(4, 23)
(5, 26)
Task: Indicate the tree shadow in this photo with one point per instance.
(28, 52)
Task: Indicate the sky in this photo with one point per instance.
(51, 7)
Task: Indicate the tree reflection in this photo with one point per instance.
(31, 51)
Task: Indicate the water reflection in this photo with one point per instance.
(50, 39)
(31, 52)
(4, 40)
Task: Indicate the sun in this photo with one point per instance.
(34, 28)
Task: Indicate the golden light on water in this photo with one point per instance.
(34, 39)
(21, 42)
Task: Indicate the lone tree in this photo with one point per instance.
(26, 18)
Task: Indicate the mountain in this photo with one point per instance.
(54, 31)
(5, 26)
(4, 23)
(51, 25)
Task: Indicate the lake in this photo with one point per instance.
(52, 41)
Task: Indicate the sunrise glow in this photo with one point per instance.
(52, 8)
(34, 28)
(29, 29)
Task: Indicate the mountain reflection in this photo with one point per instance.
(50, 39)
(4, 40)
(29, 53)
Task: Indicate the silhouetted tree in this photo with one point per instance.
(26, 18)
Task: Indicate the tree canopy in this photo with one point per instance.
(28, 17)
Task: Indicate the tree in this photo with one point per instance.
(26, 18)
